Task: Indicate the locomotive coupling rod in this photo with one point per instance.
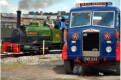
(43, 49)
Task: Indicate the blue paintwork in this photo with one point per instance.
(110, 56)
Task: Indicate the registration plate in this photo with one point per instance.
(90, 59)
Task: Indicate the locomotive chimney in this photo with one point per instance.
(41, 13)
(18, 18)
(59, 13)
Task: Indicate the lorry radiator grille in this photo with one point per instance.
(90, 44)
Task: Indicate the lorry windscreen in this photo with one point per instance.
(98, 18)
(103, 18)
(80, 19)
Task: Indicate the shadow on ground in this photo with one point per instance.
(88, 71)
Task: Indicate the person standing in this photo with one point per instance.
(66, 31)
(49, 23)
(62, 26)
(56, 22)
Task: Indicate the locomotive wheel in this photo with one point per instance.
(15, 36)
(117, 66)
(69, 66)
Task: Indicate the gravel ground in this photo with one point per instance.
(31, 60)
(50, 68)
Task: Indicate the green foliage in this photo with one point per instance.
(34, 13)
(64, 13)
(31, 13)
(47, 13)
(34, 23)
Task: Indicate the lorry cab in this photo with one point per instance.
(93, 36)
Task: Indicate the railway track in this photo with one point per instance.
(30, 54)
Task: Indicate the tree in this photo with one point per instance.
(31, 13)
(47, 13)
(37, 13)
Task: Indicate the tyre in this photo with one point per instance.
(118, 68)
(69, 66)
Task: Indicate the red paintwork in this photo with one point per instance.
(117, 35)
(16, 47)
(77, 58)
(64, 52)
(105, 59)
(118, 51)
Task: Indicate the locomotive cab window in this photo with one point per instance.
(103, 19)
(80, 19)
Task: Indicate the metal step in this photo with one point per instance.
(8, 53)
(55, 50)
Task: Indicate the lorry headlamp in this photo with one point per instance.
(108, 49)
(73, 48)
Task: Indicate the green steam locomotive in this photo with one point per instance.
(33, 38)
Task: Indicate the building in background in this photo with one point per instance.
(9, 20)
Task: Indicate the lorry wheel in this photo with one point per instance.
(118, 68)
(68, 66)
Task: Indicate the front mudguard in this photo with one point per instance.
(118, 51)
(64, 52)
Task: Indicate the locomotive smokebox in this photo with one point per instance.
(18, 18)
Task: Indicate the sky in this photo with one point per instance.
(11, 6)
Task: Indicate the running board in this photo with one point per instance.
(8, 53)
(55, 50)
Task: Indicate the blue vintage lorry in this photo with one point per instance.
(93, 36)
